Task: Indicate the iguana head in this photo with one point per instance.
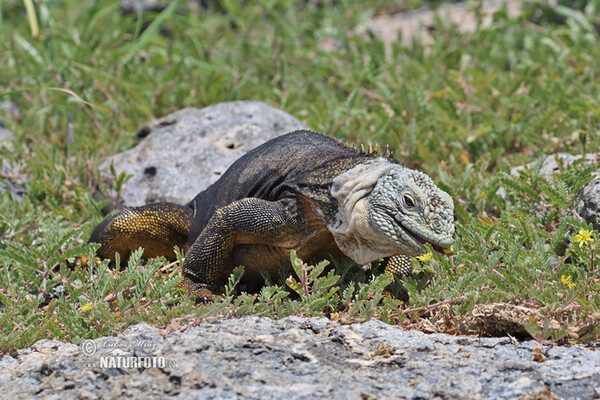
(410, 210)
(385, 209)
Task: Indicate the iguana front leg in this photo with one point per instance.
(398, 265)
(155, 227)
(246, 221)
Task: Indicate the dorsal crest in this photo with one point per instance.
(374, 150)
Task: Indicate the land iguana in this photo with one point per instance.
(302, 191)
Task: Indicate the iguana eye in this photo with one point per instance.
(408, 201)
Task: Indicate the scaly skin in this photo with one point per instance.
(303, 191)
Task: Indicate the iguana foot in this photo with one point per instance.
(84, 261)
(203, 292)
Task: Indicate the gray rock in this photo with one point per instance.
(11, 178)
(8, 110)
(550, 165)
(183, 153)
(418, 23)
(588, 198)
(134, 6)
(298, 358)
(588, 202)
(5, 133)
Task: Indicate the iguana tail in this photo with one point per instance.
(155, 227)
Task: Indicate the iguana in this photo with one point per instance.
(302, 191)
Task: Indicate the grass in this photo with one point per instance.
(465, 110)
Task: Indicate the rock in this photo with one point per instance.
(418, 24)
(181, 154)
(9, 111)
(11, 179)
(588, 198)
(5, 134)
(550, 165)
(133, 6)
(588, 202)
(254, 357)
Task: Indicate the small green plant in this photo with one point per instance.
(120, 180)
(314, 290)
(365, 302)
(232, 282)
(43, 297)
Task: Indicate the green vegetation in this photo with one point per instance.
(464, 110)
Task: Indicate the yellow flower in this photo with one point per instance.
(566, 280)
(425, 257)
(448, 250)
(86, 307)
(583, 236)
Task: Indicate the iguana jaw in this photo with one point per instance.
(399, 231)
(418, 239)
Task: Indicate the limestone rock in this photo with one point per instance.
(588, 198)
(8, 111)
(182, 153)
(5, 134)
(133, 6)
(11, 179)
(588, 202)
(418, 23)
(298, 358)
(550, 165)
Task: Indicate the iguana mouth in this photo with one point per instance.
(420, 240)
(415, 237)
